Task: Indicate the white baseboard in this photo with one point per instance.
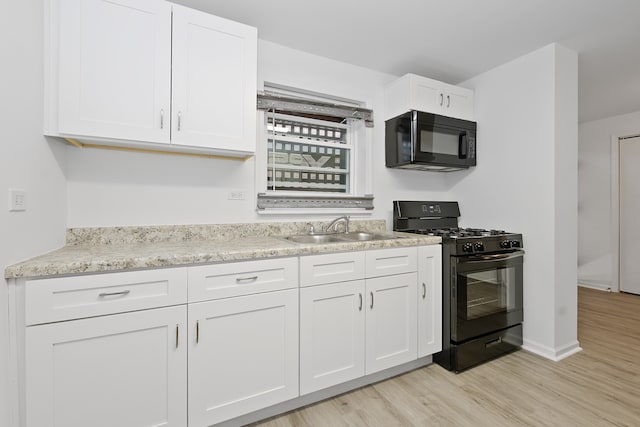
(594, 284)
(556, 354)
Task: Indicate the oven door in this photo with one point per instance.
(486, 293)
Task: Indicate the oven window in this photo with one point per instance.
(488, 292)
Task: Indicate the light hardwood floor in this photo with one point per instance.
(599, 386)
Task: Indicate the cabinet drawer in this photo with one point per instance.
(242, 278)
(331, 268)
(383, 262)
(55, 299)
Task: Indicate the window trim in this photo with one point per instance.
(359, 200)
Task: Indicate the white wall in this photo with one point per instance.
(595, 244)
(27, 161)
(110, 188)
(525, 181)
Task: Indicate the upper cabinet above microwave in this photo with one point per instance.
(150, 75)
(412, 92)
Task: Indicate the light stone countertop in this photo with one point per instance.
(131, 248)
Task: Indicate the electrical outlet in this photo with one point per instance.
(236, 195)
(17, 200)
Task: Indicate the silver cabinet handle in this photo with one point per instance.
(441, 99)
(371, 306)
(424, 291)
(179, 120)
(448, 101)
(177, 335)
(360, 308)
(113, 294)
(162, 118)
(197, 331)
(246, 279)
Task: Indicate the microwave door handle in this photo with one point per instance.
(463, 146)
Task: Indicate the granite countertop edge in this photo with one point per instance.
(92, 258)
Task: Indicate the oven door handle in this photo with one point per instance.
(495, 257)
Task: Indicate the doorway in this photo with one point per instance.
(629, 214)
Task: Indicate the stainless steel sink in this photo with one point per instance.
(359, 236)
(314, 238)
(364, 236)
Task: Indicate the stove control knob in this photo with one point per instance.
(515, 243)
(467, 247)
(479, 246)
(505, 244)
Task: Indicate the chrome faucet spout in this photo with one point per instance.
(334, 224)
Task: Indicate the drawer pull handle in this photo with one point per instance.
(113, 294)
(177, 335)
(424, 290)
(371, 307)
(360, 308)
(197, 331)
(246, 279)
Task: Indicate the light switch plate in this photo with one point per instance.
(17, 200)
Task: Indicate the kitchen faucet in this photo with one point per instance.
(334, 224)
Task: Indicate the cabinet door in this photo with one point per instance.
(332, 319)
(214, 82)
(429, 300)
(114, 68)
(391, 325)
(427, 95)
(458, 102)
(125, 370)
(243, 355)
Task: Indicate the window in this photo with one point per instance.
(314, 153)
(309, 155)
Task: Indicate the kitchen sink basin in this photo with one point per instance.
(314, 238)
(364, 236)
(358, 236)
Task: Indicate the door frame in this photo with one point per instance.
(615, 208)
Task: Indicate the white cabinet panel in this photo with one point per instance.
(114, 65)
(214, 81)
(243, 355)
(391, 331)
(242, 278)
(331, 268)
(332, 319)
(412, 92)
(384, 262)
(429, 300)
(121, 370)
(55, 299)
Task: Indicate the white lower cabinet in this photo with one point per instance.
(125, 370)
(429, 300)
(391, 332)
(332, 324)
(134, 349)
(243, 355)
(353, 328)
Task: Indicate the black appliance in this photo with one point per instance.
(481, 279)
(425, 141)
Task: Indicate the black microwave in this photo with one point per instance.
(425, 141)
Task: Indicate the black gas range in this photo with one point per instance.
(482, 283)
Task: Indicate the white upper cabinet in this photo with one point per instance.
(412, 92)
(114, 69)
(214, 81)
(151, 75)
